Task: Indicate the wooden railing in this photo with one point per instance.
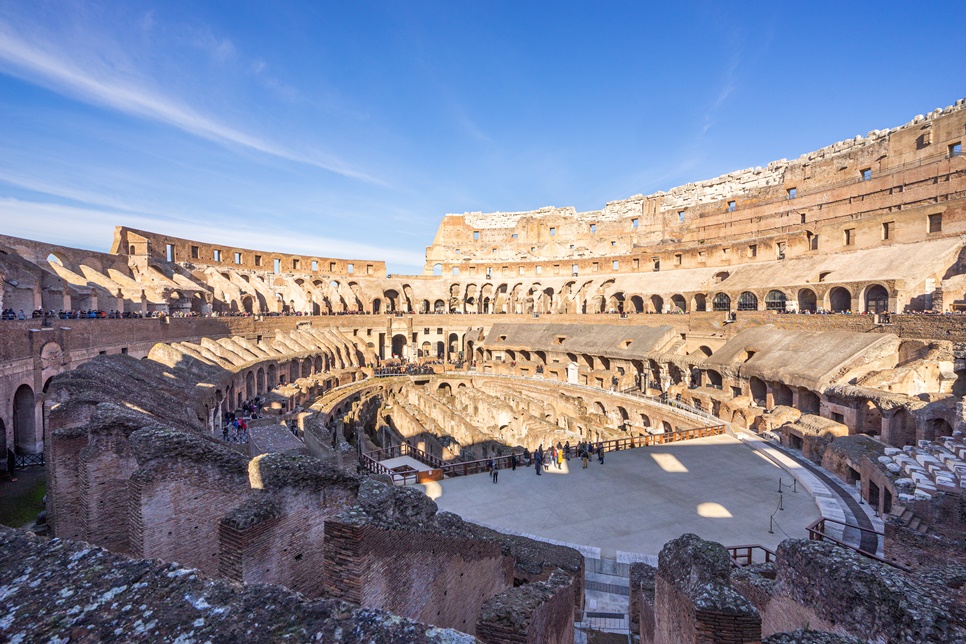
(816, 532)
(371, 460)
(742, 556)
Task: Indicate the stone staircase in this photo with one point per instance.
(908, 519)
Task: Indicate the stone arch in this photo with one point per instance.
(759, 391)
(839, 299)
(399, 345)
(721, 302)
(59, 258)
(437, 270)
(645, 420)
(657, 303)
(782, 395)
(637, 302)
(439, 306)
(714, 378)
(775, 300)
(747, 301)
(936, 428)
(678, 303)
(807, 300)
(272, 376)
(376, 305)
(445, 389)
(876, 299)
(666, 427)
(598, 407)
(699, 302)
(706, 350)
(260, 381)
(902, 429)
(809, 402)
(24, 419)
(248, 303)
(249, 385)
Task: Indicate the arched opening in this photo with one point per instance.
(759, 392)
(657, 304)
(399, 345)
(840, 300)
(775, 301)
(678, 304)
(645, 420)
(439, 306)
(599, 408)
(454, 346)
(272, 376)
(444, 389)
(440, 349)
(638, 303)
(807, 301)
(782, 395)
(877, 299)
(376, 305)
(714, 378)
(249, 385)
(438, 270)
(666, 426)
(700, 302)
(808, 402)
(24, 427)
(870, 418)
(747, 301)
(260, 381)
(902, 429)
(721, 302)
(248, 303)
(936, 428)
(424, 306)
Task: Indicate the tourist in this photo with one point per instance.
(496, 472)
(513, 462)
(567, 450)
(547, 456)
(559, 459)
(537, 463)
(600, 453)
(584, 458)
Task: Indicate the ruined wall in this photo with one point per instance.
(824, 587)
(422, 575)
(695, 602)
(181, 490)
(278, 535)
(532, 614)
(58, 589)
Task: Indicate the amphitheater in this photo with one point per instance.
(773, 362)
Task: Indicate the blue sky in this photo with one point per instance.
(349, 129)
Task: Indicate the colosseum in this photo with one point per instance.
(249, 445)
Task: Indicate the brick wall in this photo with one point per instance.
(175, 511)
(285, 544)
(428, 576)
(537, 613)
(105, 466)
(641, 600)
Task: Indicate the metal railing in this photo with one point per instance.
(742, 556)
(30, 460)
(816, 532)
(371, 460)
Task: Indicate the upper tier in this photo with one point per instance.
(843, 180)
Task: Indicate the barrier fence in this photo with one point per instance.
(816, 532)
(371, 460)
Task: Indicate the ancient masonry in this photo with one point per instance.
(816, 302)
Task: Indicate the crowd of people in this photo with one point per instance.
(235, 427)
(543, 459)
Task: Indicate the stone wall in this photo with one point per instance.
(695, 602)
(641, 602)
(532, 614)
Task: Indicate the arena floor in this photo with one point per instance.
(638, 499)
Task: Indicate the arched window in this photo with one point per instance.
(721, 302)
(747, 301)
(807, 300)
(877, 299)
(840, 299)
(775, 301)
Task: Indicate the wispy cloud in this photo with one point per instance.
(728, 86)
(94, 228)
(93, 80)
